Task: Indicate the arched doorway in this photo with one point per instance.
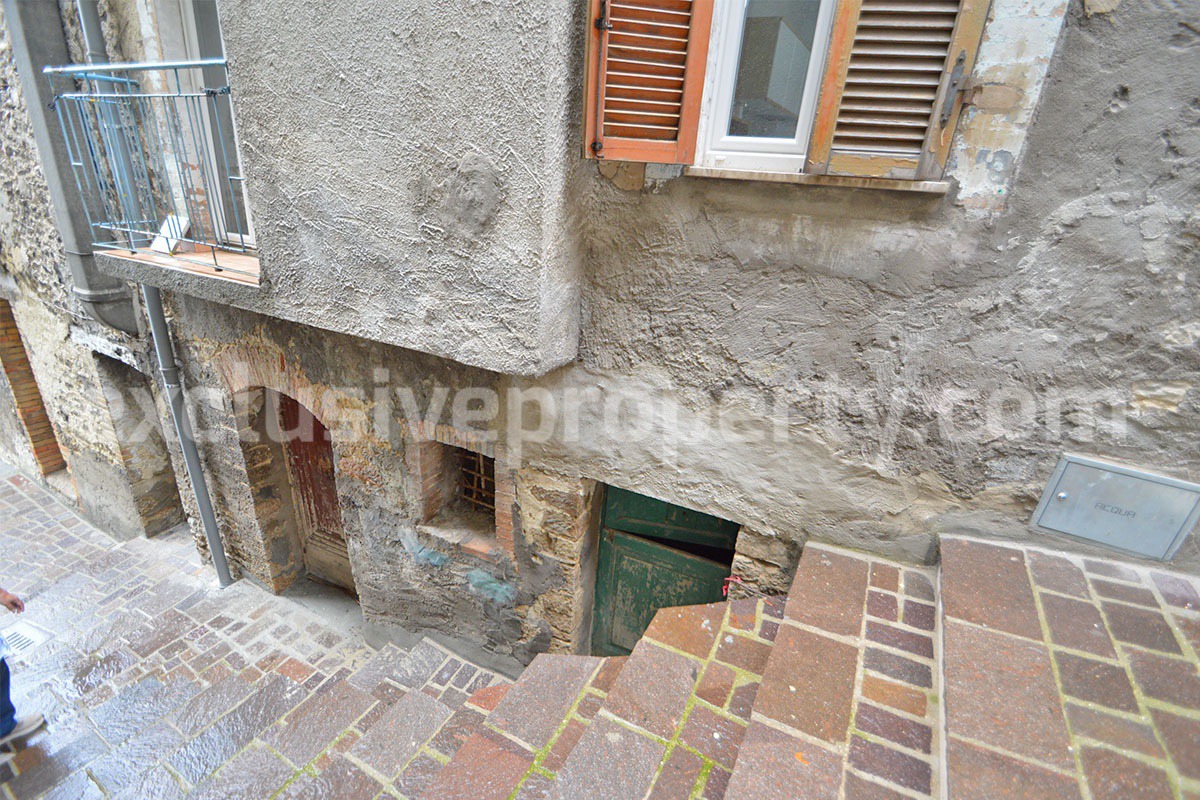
(291, 468)
(308, 456)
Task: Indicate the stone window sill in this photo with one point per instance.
(846, 182)
(471, 533)
(219, 264)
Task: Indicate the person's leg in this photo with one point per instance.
(8, 714)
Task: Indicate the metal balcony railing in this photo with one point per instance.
(154, 155)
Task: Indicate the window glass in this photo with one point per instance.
(777, 43)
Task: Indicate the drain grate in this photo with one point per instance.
(22, 637)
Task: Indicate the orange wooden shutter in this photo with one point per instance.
(645, 79)
(893, 86)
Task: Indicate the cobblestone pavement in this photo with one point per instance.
(156, 684)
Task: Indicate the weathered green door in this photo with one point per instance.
(653, 555)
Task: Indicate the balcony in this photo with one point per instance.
(154, 154)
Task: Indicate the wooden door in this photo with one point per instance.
(314, 487)
(654, 555)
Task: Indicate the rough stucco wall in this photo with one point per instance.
(407, 213)
(31, 256)
(1083, 292)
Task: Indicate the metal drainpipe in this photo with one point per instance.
(183, 426)
(36, 33)
(93, 39)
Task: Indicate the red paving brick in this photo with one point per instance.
(895, 695)
(809, 684)
(487, 767)
(1140, 626)
(891, 765)
(1111, 776)
(1001, 691)
(1057, 574)
(773, 765)
(1177, 591)
(829, 591)
(1181, 735)
(893, 727)
(1096, 682)
(988, 585)
(1120, 732)
(673, 677)
(979, 774)
(678, 776)
(1077, 625)
(692, 629)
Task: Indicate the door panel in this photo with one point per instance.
(310, 467)
(636, 577)
(635, 513)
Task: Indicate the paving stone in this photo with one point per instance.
(1095, 682)
(538, 703)
(1077, 625)
(488, 767)
(79, 786)
(156, 784)
(1168, 679)
(204, 709)
(535, 787)
(678, 776)
(44, 766)
(1120, 732)
(488, 697)
(254, 773)
(920, 615)
(898, 667)
(773, 765)
(1111, 776)
(829, 591)
(1141, 627)
(400, 732)
(809, 684)
(1057, 574)
(1125, 593)
(886, 577)
(563, 745)
(713, 735)
(883, 606)
(1181, 735)
(1177, 590)
(443, 675)
(422, 662)
(716, 684)
(139, 705)
(895, 695)
(918, 585)
(884, 724)
(859, 788)
(607, 675)
(341, 780)
(716, 785)
(978, 774)
(743, 652)
(273, 697)
(891, 765)
(692, 629)
(609, 762)
(741, 703)
(316, 722)
(981, 666)
(465, 675)
(462, 725)
(1111, 569)
(137, 755)
(416, 776)
(988, 585)
(672, 675)
(915, 643)
(743, 614)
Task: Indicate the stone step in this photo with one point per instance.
(523, 730)
(673, 721)
(847, 697)
(1095, 660)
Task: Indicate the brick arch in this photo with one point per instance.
(246, 367)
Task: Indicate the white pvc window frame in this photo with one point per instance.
(717, 149)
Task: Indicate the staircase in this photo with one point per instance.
(1033, 675)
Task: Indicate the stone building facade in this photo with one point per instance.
(444, 281)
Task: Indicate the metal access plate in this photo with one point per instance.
(1118, 506)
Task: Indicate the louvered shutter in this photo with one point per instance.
(645, 79)
(893, 86)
